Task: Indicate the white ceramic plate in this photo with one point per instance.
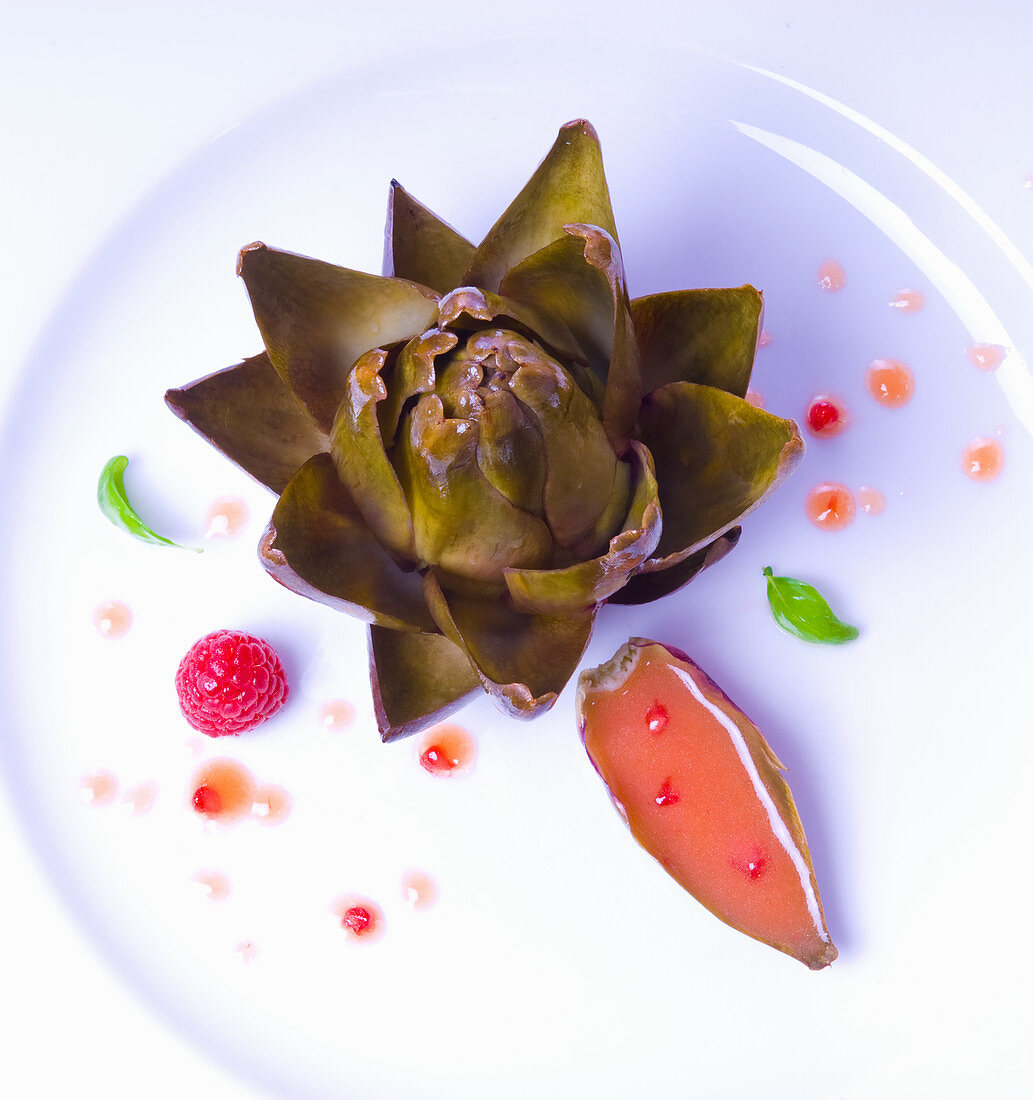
(559, 960)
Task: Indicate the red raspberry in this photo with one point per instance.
(229, 682)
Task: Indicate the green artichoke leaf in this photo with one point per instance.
(413, 373)
(523, 661)
(703, 336)
(362, 463)
(560, 591)
(586, 485)
(247, 412)
(717, 457)
(318, 545)
(461, 522)
(317, 319)
(419, 246)
(568, 186)
(646, 587)
(417, 679)
(510, 450)
(579, 279)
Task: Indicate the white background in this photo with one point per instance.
(103, 100)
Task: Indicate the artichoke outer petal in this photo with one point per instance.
(568, 186)
(523, 661)
(704, 336)
(717, 458)
(247, 412)
(416, 679)
(421, 247)
(362, 463)
(461, 522)
(558, 591)
(646, 587)
(316, 319)
(318, 545)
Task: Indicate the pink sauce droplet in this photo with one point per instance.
(908, 301)
(140, 798)
(226, 518)
(419, 890)
(112, 618)
(826, 416)
(831, 275)
(986, 357)
(872, 502)
(764, 339)
(336, 715)
(360, 918)
(983, 459)
(446, 749)
(890, 383)
(752, 863)
(215, 884)
(667, 795)
(223, 790)
(657, 718)
(272, 805)
(246, 951)
(830, 506)
(755, 398)
(99, 788)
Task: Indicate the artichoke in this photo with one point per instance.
(477, 449)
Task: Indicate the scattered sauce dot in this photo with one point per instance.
(830, 506)
(872, 502)
(667, 795)
(419, 890)
(140, 798)
(764, 339)
(982, 459)
(657, 718)
(272, 805)
(226, 518)
(222, 789)
(831, 275)
(826, 415)
(361, 918)
(336, 715)
(99, 788)
(752, 863)
(112, 618)
(446, 749)
(755, 398)
(215, 884)
(986, 357)
(890, 383)
(907, 301)
(246, 951)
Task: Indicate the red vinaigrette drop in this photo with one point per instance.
(831, 275)
(826, 415)
(983, 459)
(446, 749)
(986, 357)
(271, 805)
(657, 718)
(112, 618)
(226, 518)
(667, 795)
(222, 789)
(752, 863)
(99, 788)
(419, 890)
(908, 301)
(359, 917)
(890, 383)
(830, 506)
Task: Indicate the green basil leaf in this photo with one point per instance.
(111, 496)
(801, 610)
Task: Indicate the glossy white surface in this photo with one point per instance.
(906, 750)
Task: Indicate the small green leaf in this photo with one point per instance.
(111, 496)
(800, 609)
